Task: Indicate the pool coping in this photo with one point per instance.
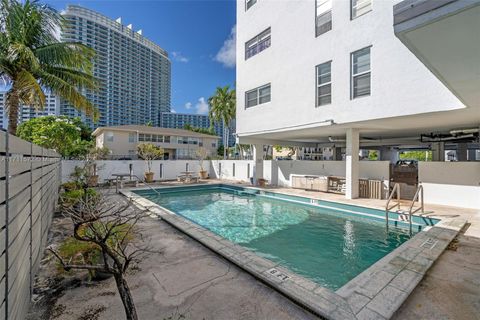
(376, 293)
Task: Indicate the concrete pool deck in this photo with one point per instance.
(375, 294)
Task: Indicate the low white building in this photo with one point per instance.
(122, 141)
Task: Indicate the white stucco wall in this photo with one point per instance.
(401, 84)
(241, 169)
(375, 170)
(171, 168)
(451, 183)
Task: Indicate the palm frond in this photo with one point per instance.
(28, 90)
(67, 54)
(68, 92)
(79, 79)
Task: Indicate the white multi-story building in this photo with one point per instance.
(333, 73)
(133, 71)
(51, 108)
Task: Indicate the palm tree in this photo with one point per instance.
(222, 108)
(32, 59)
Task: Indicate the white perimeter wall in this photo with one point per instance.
(451, 183)
(445, 183)
(375, 170)
(171, 168)
(223, 169)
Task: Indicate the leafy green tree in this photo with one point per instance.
(372, 155)
(149, 152)
(209, 131)
(69, 137)
(223, 108)
(32, 58)
(417, 155)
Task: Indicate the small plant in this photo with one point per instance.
(72, 197)
(71, 185)
(80, 252)
(149, 152)
(202, 154)
(108, 227)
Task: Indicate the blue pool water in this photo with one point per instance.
(325, 245)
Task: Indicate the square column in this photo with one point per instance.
(258, 166)
(462, 152)
(351, 161)
(438, 151)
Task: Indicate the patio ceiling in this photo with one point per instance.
(444, 35)
(405, 130)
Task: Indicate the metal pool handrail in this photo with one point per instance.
(396, 188)
(144, 182)
(418, 193)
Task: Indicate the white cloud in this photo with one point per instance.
(177, 56)
(227, 53)
(173, 111)
(201, 106)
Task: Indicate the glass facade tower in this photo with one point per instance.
(134, 72)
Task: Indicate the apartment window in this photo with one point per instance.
(131, 137)
(249, 3)
(323, 16)
(109, 136)
(257, 44)
(360, 73)
(360, 7)
(324, 84)
(257, 96)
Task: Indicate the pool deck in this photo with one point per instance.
(377, 293)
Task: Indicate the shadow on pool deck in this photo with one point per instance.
(185, 279)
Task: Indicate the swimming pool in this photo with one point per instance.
(327, 242)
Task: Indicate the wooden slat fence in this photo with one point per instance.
(29, 184)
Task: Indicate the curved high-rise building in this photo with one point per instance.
(133, 71)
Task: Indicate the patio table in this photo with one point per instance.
(119, 178)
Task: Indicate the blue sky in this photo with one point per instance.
(198, 35)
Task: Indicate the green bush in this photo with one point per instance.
(72, 196)
(80, 252)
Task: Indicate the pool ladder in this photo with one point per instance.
(417, 197)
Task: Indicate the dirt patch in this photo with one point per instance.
(92, 313)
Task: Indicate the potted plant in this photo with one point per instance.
(149, 152)
(261, 182)
(93, 155)
(202, 155)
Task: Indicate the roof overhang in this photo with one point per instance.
(445, 36)
(384, 131)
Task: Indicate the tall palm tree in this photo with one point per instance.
(32, 59)
(222, 108)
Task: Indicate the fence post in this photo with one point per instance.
(31, 220)
(7, 179)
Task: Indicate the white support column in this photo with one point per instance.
(462, 151)
(351, 157)
(438, 151)
(258, 158)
